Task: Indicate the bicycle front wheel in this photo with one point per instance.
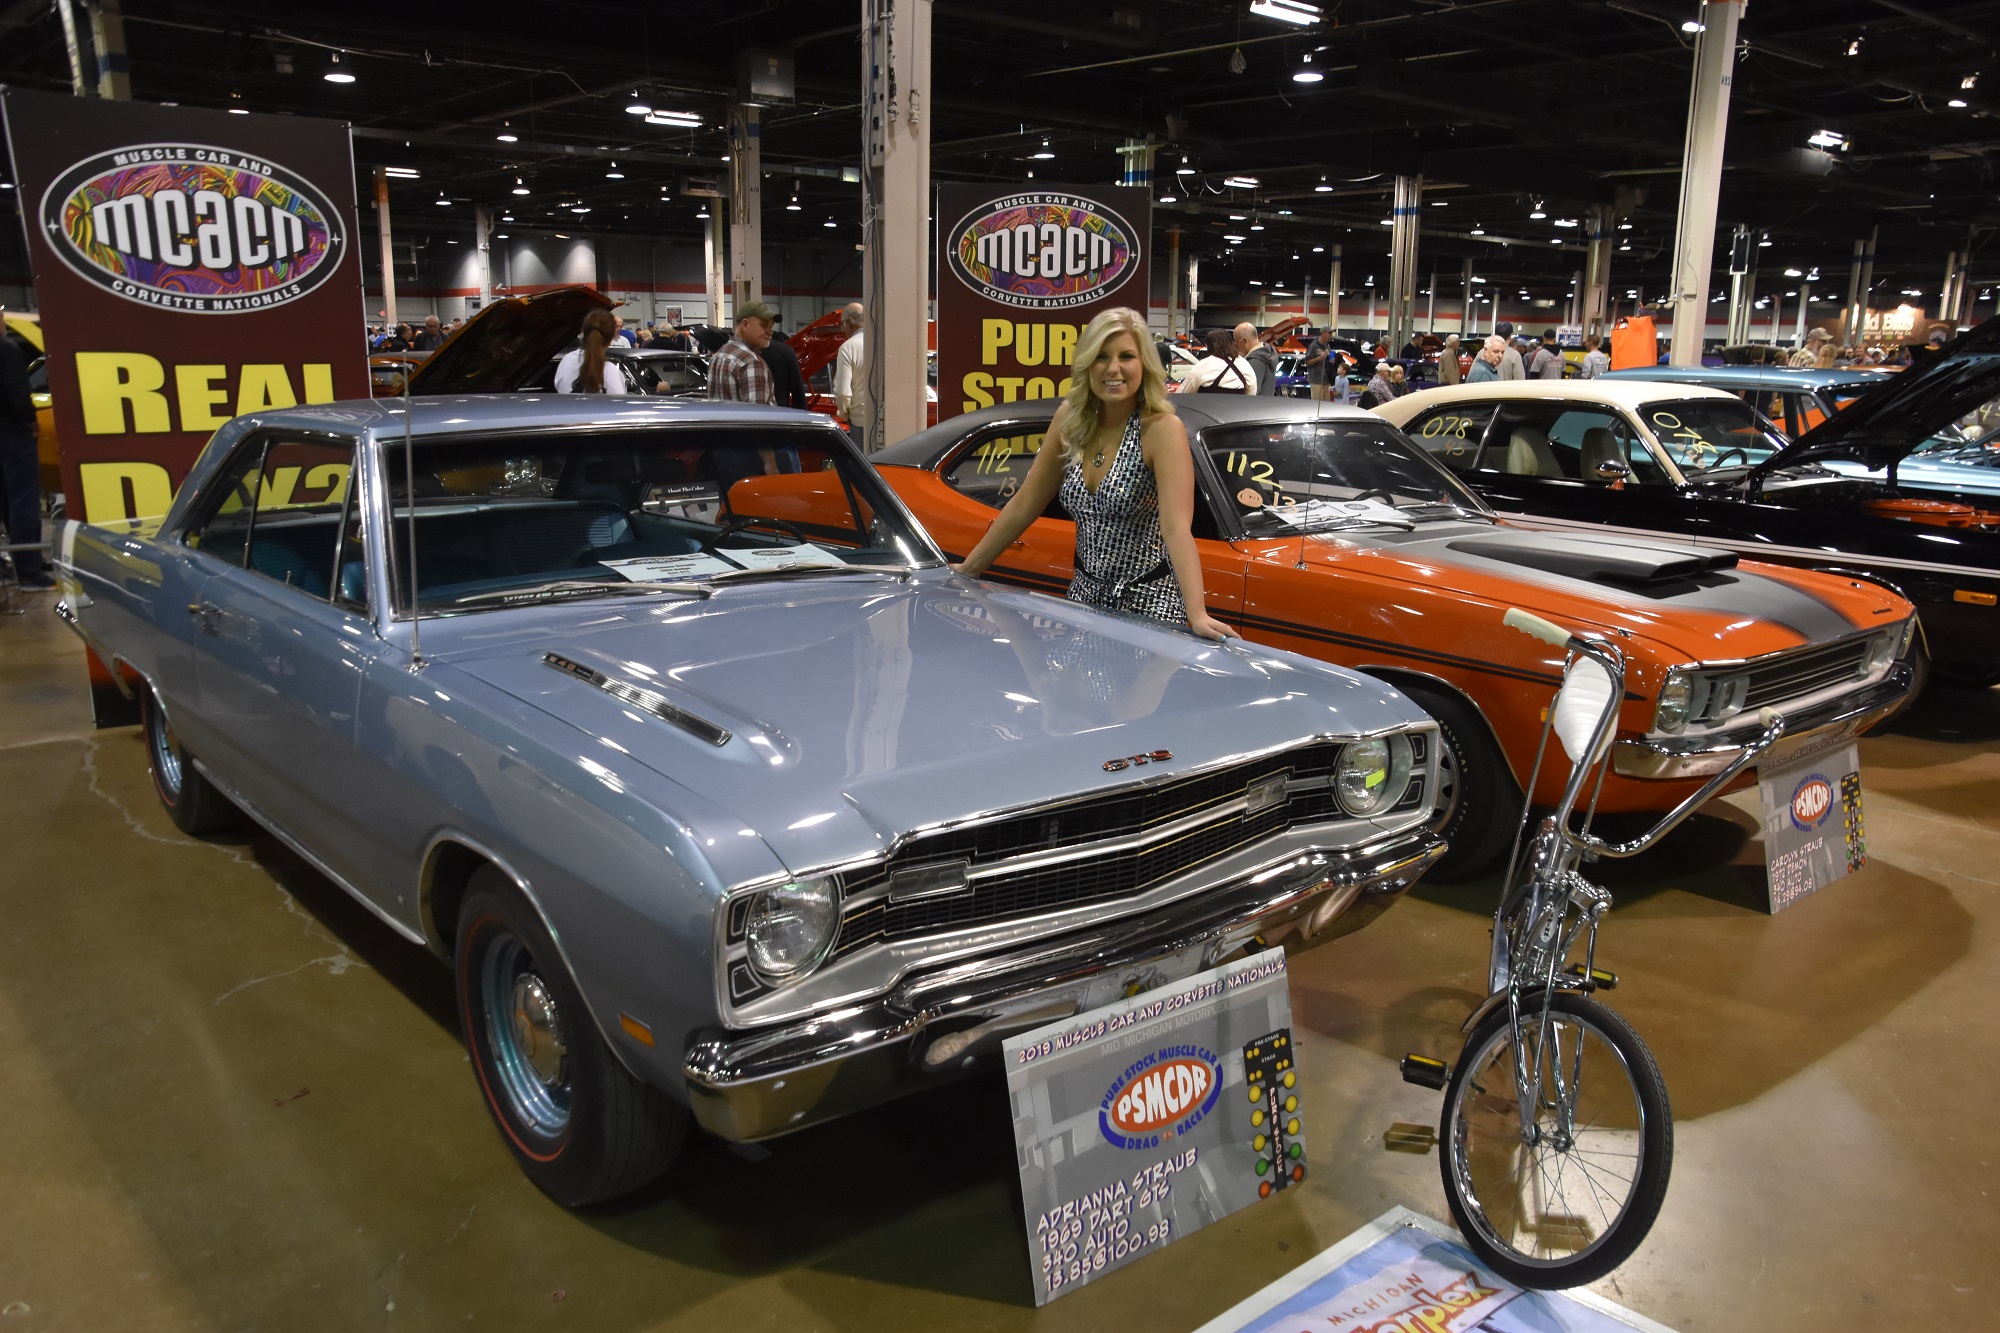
(1567, 1200)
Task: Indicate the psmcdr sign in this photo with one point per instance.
(190, 266)
(1147, 1119)
(1022, 272)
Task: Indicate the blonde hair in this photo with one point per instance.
(1082, 411)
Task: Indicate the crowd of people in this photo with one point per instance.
(428, 336)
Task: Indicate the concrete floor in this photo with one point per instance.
(233, 1100)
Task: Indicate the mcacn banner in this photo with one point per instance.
(1021, 272)
(190, 266)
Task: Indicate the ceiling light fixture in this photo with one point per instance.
(1305, 73)
(337, 72)
(1624, 226)
(638, 106)
(441, 201)
(1691, 26)
(830, 223)
(579, 209)
(1828, 139)
(1295, 12)
(680, 119)
(614, 174)
(1478, 230)
(1969, 82)
(1232, 239)
(793, 207)
(1322, 187)
(1765, 244)
(518, 187)
(1565, 222)
(506, 134)
(704, 212)
(1169, 199)
(401, 173)
(1240, 182)
(1854, 47)
(1956, 102)
(1539, 212)
(1184, 169)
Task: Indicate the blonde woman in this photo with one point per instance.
(1120, 459)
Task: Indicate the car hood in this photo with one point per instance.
(502, 345)
(857, 710)
(1887, 423)
(1695, 603)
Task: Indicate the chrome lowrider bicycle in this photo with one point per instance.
(1556, 1138)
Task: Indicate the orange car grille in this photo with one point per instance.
(1795, 675)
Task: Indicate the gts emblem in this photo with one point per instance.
(1150, 757)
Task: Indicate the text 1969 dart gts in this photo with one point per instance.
(725, 798)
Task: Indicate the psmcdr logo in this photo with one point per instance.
(1160, 1097)
(1043, 251)
(193, 227)
(1811, 800)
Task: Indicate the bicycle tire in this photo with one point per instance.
(1622, 1106)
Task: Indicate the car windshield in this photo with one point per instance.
(1704, 433)
(1293, 475)
(513, 519)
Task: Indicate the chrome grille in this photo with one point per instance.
(1132, 813)
(1807, 671)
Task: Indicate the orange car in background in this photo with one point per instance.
(1324, 530)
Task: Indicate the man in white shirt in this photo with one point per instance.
(850, 377)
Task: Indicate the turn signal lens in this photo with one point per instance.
(791, 927)
(1675, 696)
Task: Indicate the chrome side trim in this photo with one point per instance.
(270, 826)
(658, 705)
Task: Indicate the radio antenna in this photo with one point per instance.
(410, 498)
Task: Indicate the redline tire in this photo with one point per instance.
(582, 1128)
(1610, 1181)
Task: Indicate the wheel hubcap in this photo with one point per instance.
(1448, 779)
(524, 1028)
(166, 753)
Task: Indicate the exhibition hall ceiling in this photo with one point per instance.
(1508, 108)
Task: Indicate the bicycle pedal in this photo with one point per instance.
(1599, 978)
(1426, 1072)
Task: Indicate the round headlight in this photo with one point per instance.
(1675, 696)
(790, 928)
(1881, 651)
(1373, 775)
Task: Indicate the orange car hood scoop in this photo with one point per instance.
(1597, 559)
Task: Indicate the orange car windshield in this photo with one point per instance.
(1333, 473)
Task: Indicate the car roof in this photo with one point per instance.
(1628, 394)
(459, 414)
(927, 448)
(1756, 377)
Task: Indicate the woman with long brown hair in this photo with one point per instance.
(585, 369)
(1123, 466)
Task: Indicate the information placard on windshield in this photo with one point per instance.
(1312, 513)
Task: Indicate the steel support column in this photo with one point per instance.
(1701, 176)
(896, 101)
(80, 82)
(1333, 292)
(1867, 283)
(1741, 248)
(1598, 221)
(1805, 307)
(1173, 280)
(715, 261)
(482, 236)
(1465, 313)
(1409, 204)
(388, 253)
(746, 206)
(107, 34)
(1853, 292)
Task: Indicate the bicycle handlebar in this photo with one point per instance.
(1774, 728)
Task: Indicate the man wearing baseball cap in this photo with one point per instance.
(1808, 356)
(736, 372)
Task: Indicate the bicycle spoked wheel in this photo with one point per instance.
(1573, 1205)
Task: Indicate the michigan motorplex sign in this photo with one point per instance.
(1023, 272)
(190, 266)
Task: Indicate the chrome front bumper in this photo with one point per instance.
(1708, 754)
(939, 1025)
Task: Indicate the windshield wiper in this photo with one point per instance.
(549, 592)
(806, 567)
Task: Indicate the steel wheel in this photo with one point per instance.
(525, 1029)
(1569, 1201)
(191, 800)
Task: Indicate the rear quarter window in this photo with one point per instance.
(1451, 435)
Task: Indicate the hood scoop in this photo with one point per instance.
(1599, 560)
(641, 698)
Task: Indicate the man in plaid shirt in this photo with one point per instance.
(736, 372)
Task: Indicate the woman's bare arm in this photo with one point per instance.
(1039, 487)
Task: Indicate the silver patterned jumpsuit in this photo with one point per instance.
(1121, 558)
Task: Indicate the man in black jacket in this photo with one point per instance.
(20, 469)
(788, 385)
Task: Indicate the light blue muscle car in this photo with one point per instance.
(669, 729)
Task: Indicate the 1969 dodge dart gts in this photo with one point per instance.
(666, 726)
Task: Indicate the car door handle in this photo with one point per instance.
(204, 614)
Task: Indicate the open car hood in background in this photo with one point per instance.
(1885, 424)
(503, 345)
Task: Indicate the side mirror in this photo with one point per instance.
(1612, 471)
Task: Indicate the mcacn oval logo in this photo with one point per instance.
(1043, 251)
(1160, 1097)
(1810, 801)
(193, 227)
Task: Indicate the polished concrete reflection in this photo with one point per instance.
(233, 1100)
